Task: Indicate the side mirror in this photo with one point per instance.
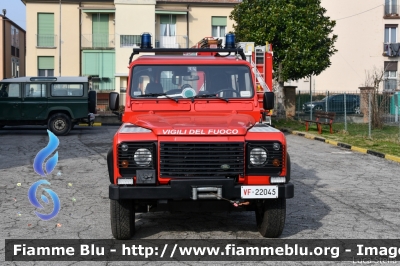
(113, 101)
(268, 100)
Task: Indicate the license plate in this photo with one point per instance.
(259, 192)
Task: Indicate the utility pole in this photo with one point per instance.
(59, 48)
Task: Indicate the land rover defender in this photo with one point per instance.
(58, 102)
(193, 138)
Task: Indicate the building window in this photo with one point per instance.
(14, 37)
(167, 25)
(167, 38)
(45, 31)
(391, 7)
(46, 66)
(14, 67)
(390, 76)
(218, 27)
(390, 33)
(130, 40)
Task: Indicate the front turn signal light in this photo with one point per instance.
(276, 162)
(124, 163)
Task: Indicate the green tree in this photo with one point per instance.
(299, 31)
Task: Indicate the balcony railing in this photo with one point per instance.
(391, 49)
(391, 11)
(390, 85)
(177, 41)
(97, 41)
(45, 40)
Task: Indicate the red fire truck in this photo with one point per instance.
(193, 138)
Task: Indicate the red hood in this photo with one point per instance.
(236, 124)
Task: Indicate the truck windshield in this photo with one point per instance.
(188, 81)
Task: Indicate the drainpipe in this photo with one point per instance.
(4, 46)
(59, 49)
(187, 27)
(80, 39)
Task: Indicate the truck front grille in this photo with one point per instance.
(201, 160)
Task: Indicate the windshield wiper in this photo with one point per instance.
(156, 95)
(210, 96)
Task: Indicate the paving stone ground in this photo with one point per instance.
(338, 194)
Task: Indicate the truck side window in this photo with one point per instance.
(67, 90)
(13, 90)
(35, 90)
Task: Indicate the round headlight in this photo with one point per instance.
(142, 157)
(124, 147)
(258, 156)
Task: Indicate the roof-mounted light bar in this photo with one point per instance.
(145, 47)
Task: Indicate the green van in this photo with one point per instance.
(58, 102)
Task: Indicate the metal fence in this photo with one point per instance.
(176, 41)
(97, 41)
(350, 107)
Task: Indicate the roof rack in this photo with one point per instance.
(238, 51)
(205, 44)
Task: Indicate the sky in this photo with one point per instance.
(16, 11)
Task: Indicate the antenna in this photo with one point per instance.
(4, 12)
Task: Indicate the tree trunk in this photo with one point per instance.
(377, 122)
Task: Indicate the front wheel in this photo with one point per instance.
(122, 219)
(59, 124)
(270, 217)
(318, 108)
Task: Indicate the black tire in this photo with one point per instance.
(1, 126)
(122, 219)
(270, 217)
(289, 168)
(92, 101)
(59, 124)
(318, 108)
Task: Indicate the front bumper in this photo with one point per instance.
(182, 189)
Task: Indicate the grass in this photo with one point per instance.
(385, 140)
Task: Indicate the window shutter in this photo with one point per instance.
(46, 62)
(218, 21)
(46, 23)
(390, 65)
(100, 30)
(46, 29)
